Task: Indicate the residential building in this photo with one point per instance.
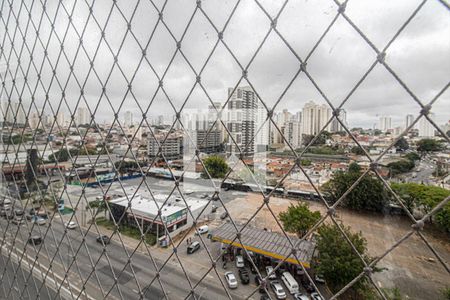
(385, 123)
(336, 125)
(171, 149)
(293, 134)
(409, 120)
(426, 129)
(315, 117)
(128, 118)
(245, 119)
(82, 116)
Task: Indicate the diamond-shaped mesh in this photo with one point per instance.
(72, 59)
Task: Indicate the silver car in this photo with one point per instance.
(278, 289)
(231, 280)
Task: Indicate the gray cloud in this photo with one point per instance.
(419, 55)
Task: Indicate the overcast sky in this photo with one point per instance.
(420, 55)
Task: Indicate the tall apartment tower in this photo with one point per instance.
(409, 120)
(314, 118)
(336, 125)
(128, 118)
(385, 123)
(83, 116)
(245, 113)
(426, 129)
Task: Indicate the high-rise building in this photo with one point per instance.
(82, 116)
(409, 120)
(33, 120)
(293, 134)
(297, 117)
(128, 118)
(315, 117)
(336, 125)
(61, 119)
(426, 129)
(246, 118)
(385, 123)
(160, 120)
(11, 109)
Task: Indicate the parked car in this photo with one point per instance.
(319, 279)
(38, 220)
(316, 296)
(300, 296)
(231, 280)
(270, 272)
(244, 276)
(35, 240)
(203, 229)
(278, 289)
(103, 239)
(223, 215)
(71, 225)
(18, 212)
(265, 297)
(290, 282)
(308, 286)
(240, 261)
(193, 247)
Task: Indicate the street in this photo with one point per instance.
(101, 269)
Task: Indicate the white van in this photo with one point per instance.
(290, 282)
(203, 229)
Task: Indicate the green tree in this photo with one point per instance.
(401, 166)
(216, 165)
(357, 150)
(401, 144)
(413, 156)
(299, 218)
(305, 162)
(321, 139)
(446, 293)
(62, 155)
(425, 197)
(98, 206)
(354, 168)
(429, 145)
(338, 262)
(369, 194)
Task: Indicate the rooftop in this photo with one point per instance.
(271, 244)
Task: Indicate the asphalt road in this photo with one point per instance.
(110, 266)
(15, 288)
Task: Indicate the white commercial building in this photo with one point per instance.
(155, 215)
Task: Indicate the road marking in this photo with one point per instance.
(28, 266)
